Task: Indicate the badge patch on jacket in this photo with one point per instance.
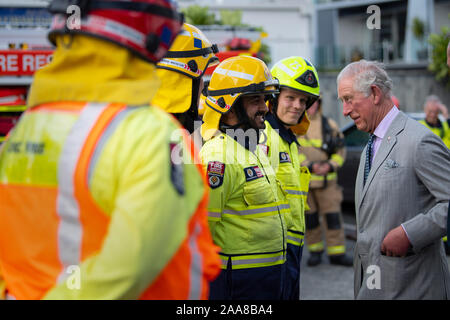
(252, 173)
(215, 173)
(176, 168)
(284, 157)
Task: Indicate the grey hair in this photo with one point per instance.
(366, 73)
(432, 98)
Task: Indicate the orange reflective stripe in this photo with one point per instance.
(94, 221)
(69, 215)
(196, 262)
(210, 252)
(176, 280)
(58, 106)
(70, 231)
(83, 225)
(67, 212)
(29, 261)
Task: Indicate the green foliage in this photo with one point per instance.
(438, 64)
(231, 17)
(264, 53)
(418, 28)
(198, 15)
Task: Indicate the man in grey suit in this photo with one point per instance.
(402, 194)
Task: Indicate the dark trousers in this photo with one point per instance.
(292, 282)
(265, 283)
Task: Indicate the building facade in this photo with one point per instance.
(288, 23)
(382, 30)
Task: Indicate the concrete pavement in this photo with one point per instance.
(326, 281)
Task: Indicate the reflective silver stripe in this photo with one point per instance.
(196, 271)
(105, 137)
(236, 74)
(294, 239)
(251, 261)
(300, 193)
(70, 229)
(295, 236)
(290, 72)
(257, 260)
(241, 75)
(213, 214)
(256, 211)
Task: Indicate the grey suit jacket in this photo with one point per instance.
(409, 184)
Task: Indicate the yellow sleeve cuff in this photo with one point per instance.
(337, 159)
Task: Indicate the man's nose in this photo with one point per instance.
(299, 104)
(263, 106)
(346, 109)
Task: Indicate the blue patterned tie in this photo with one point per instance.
(368, 157)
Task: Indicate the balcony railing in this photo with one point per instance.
(336, 57)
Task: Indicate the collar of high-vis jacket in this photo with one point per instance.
(85, 68)
(175, 93)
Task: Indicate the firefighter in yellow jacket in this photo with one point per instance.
(299, 88)
(323, 152)
(247, 208)
(93, 205)
(181, 73)
(432, 108)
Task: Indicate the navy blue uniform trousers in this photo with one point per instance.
(264, 283)
(292, 282)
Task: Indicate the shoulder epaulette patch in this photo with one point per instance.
(252, 173)
(285, 158)
(215, 173)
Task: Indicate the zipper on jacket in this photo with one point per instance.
(278, 207)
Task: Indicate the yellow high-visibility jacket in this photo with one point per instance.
(247, 208)
(443, 131)
(282, 149)
(93, 205)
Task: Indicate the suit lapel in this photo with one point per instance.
(360, 179)
(388, 142)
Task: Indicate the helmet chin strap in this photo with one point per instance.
(188, 117)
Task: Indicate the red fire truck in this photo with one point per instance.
(24, 48)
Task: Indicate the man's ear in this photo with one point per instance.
(377, 94)
(230, 118)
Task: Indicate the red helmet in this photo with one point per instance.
(146, 27)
